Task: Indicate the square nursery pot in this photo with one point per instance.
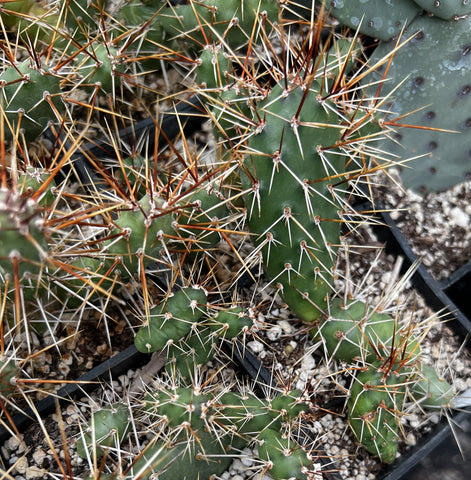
(436, 454)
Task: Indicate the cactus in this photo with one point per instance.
(430, 390)
(29, 99)
(23, 243)
(298, 232)
(138, 234)
(353, 331)
(107, 428)
(437, 54)
(8, 370)
(375, 403)
(382, 19)
(171, 320)
(447, 10)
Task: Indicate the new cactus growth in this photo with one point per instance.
(354, 331)
(138, 234)
(108, 427)
(8, 370)
(172, 320)
(376, 400)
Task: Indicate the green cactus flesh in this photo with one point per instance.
(138, 233)
(23, 101)
(292, 209)
(446, 9)
(375, 405)
(354, 331)
(23, 244)
(286, 458)
(436, 66)
(171, 320)
(208, 21)
(382, 19)
(231, 322)
(107, 429)
(430, 390)
(8, 370)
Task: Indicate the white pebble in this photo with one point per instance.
(255, 346)
(458, 217)
(274, 333)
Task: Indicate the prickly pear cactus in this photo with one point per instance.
(291, 205)
(436, 65)
(138, 234)
(353, 330)
(107, 429)
(446, 9)
(171, 320)
(29, 96)
(381, 19)
(375, 404)
(23, 243)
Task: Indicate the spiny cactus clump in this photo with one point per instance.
(204, 428)
(8, 370)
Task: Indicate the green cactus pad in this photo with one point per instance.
(430, 390)
(100, 66)
(171, 320)
(287, 459)
(8, 370)
(446, 9)
(139, 232)
(231, 322)
(107, 429)
(381, 19)
(23, 241)
(353, 330)
(375, 405)
(436, 66)
(292, 210)
(23, 90)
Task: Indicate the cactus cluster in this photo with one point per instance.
(204, 429)
(297, 133)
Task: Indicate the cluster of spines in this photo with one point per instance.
(205, 427)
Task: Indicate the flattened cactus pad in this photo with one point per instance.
(382, 19)
(436, 66)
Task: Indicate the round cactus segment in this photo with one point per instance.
(107, 428)
(100, 66)
(355, 331)
(28, 96)
(446, 9)
(289, 404)
(23, 244)
(31, 181)
(381, 19)
(375, 403)
(231, 322)
(430, 390)
(291, 202)
(8, 370)
(436, 66)
(285, 458)
(139, 232)
(171, 320)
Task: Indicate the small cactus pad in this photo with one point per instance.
(171, 320)
(354, 330)
(375, 404)
(435, 66)
(430, 390)
(381, 19)
(107, 428)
